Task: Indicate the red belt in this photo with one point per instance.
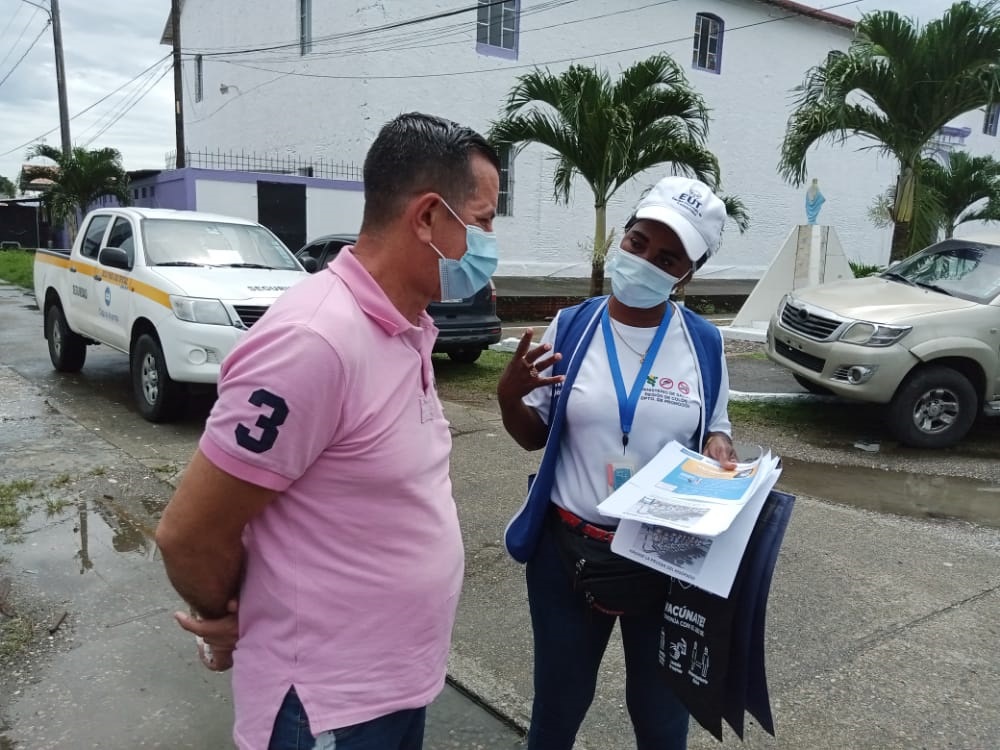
(582, 527)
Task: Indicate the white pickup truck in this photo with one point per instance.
(175, 290)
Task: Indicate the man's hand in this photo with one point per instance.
(200, 535)
(216, 638)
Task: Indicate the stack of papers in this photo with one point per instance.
(686, 516)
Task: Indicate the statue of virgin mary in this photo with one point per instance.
(814, 202)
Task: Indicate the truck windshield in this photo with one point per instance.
(174, 242)
(968, 270)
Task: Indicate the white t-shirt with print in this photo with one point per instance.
(668, 409)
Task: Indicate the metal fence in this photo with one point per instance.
(243, 161)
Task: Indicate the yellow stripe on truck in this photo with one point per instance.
(138, 287)
(150, 292)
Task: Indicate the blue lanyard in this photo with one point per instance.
(627, 404)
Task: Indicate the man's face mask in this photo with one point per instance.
(464, 277)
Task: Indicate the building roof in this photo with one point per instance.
(43, 179)
(808, 12)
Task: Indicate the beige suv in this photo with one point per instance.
(923, 337)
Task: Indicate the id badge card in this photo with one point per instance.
(618, 472)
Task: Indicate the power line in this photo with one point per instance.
(21, 58)
(685, 38)
(88, 108)
(138, 99)
(242, 93)
(110, 114)
(223, 52)
(19, 37)
(419, 40)
(10, 20)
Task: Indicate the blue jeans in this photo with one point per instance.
(402, 730)
(570, 639)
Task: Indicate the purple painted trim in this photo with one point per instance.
(488, 50)
(227, 175)
(190, 190)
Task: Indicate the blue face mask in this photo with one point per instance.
(638, 283)
(464, 277)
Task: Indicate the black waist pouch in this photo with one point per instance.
(611, 584)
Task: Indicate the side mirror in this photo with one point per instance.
(309, 263)
(114, 257)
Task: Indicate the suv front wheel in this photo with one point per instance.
(933, 408)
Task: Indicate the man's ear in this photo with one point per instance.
(421, 213)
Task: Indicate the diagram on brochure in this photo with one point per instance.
(658, 523)
(686, 491)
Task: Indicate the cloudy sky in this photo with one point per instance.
(115, 45)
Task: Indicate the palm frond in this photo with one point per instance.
(912, 80)
(737, 212)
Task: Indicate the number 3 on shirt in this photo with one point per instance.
(268, 424)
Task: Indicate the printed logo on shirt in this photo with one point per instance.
(662, 390)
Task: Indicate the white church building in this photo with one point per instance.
(311, 82)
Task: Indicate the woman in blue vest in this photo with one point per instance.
(613, 380)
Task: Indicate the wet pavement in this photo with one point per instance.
(881, 628)
(84, 565)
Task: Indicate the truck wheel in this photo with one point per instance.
(933, 408)
(159, 398)
(67, 350)
(465, 356)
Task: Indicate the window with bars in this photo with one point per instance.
(707, 53)
(305, 27)
(496, 27)
(991, 119)
(199, 78)
(505, 203)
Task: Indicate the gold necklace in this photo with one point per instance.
(641, 355)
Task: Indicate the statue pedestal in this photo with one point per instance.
(811, 255)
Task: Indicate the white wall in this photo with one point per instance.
(228, 198)
(333, 211)
(434, 67)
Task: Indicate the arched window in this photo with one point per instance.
(707, 53)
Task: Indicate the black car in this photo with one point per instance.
(465, 327)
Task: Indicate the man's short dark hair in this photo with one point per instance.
(418, 153)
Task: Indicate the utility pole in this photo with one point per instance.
(175, 23)
(67, 145)
(53, 11)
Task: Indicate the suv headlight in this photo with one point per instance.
(198, 310)
(873, 334)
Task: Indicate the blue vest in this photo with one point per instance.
(576, 326)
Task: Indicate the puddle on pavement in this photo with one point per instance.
(902, 493)
(94, 524)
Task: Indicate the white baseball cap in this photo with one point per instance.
(691, 209)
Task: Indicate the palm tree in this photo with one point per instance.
(966, 188)
(79, 179)
(897, 86)
(608, 131)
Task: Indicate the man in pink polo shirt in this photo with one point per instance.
(319, 496)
